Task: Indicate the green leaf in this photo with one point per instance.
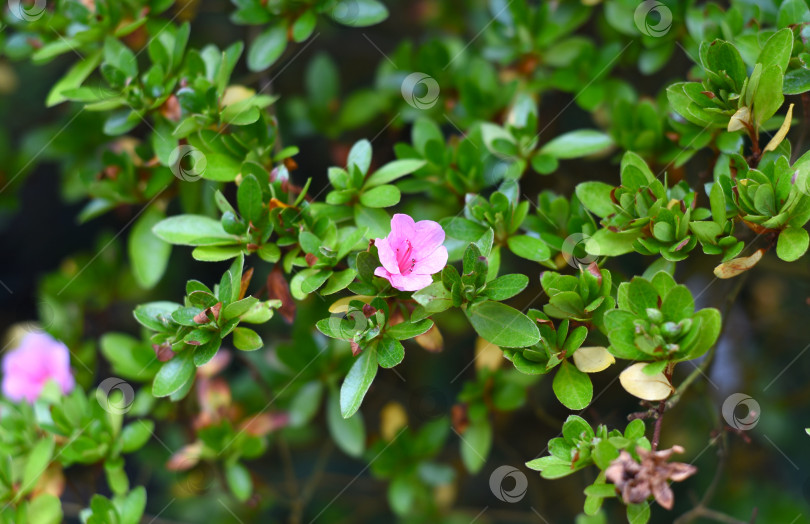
(267, 47)
(38, 459)
(476, 442)
(174, 374)
(595, 196)
(393, 170)
(73, 78)
(148, 254)
(777, 50)
(768, 96)
(44, 509)
(374, 219)
(305, 404)
(360, 156)
(135, 435)
(390, 352)
(381, 196)
(249, 199)
(607, 243)
(638, 513)
(358, 13)
(792, 243)
(221, 168)
(505, 286)
(503, 325)
(348, 434)
(239, 480)
(192, 230)
(572, 387)
(357, 381)
(132, 506)
(406, 330)
(246, 339)
(575, 144)
(529, 248)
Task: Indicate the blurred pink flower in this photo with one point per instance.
(411, 253)
(38, 359)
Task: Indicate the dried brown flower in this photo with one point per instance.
(637, 481)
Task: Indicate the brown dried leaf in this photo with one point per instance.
(734, 267)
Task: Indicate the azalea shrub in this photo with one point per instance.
(448, 262)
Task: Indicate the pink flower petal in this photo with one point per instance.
(27, 368)
(388, 257)
(433, 263)
(412, 282)
(429, 235)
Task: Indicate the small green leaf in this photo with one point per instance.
(406, 330)
(267, 47)
(572, 387)
(390, 352)
(529, 248)
(381, 196)
(38, 459)
(174, 374)
(348, 434)
(476, 442)
(503, 325)
(393, 171)
(239, 481)
(148, 253)
(577, 144)
(192, 230)
(249, 199)
(358, 13)
(246, 339)
(505, 286)
(357, 381)
(792, 243)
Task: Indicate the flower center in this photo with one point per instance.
(405, 259)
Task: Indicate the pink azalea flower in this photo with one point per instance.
(38, 359)
(411, 252)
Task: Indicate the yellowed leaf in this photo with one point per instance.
(782, 133)
(392, 419)
(738, 265)
(236, 93)
(739, 119)
(592, 359)
(487, 355)
(342, 305)
(644, 386)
